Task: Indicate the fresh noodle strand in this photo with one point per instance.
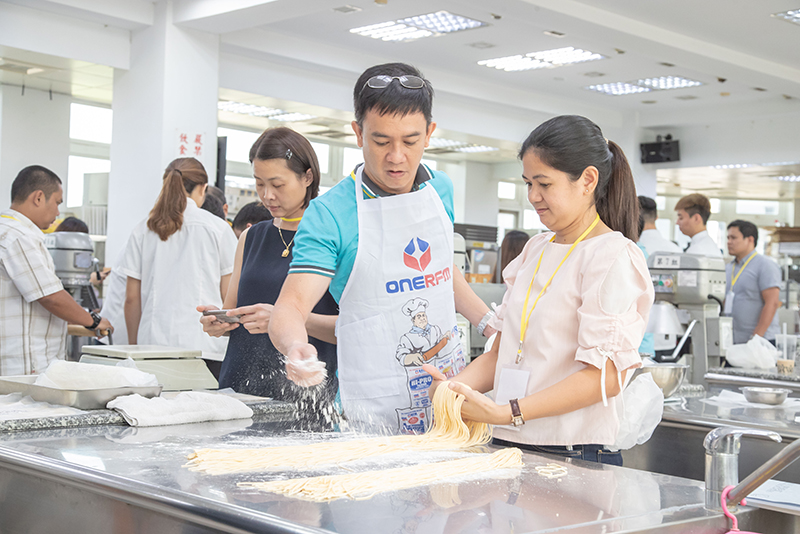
(448, 432)
(361, 486)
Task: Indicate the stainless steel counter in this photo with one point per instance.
(112, 478)
(676, 447)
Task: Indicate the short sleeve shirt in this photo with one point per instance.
(760, 274)
(30, 336)
(327, 238)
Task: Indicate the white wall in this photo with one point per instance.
(35, 131)
(480, 198)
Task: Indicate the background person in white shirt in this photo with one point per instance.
(693, 213)
(34, 307)
(177, 259)
(650, 238)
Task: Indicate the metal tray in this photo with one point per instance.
(85, 399)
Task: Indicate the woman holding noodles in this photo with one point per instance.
(576, 304)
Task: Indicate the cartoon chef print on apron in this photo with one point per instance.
(397, 310)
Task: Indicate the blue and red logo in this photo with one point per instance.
(417, 256)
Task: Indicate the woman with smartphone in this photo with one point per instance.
(287, 177)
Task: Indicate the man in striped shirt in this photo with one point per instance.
(34, 307)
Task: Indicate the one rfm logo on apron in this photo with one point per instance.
(417, 255)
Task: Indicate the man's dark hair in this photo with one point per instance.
(34, 178)
(72, 224)
(747, 229)
(216, 192)
(394, 99)
(648, 209)
(212, 205)
(252, 213)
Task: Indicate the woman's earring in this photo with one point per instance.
(587, 190)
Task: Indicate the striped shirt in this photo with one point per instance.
(30, 336)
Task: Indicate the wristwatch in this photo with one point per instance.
(95, 320)
(516, 414)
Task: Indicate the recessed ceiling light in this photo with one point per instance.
(594, 74)
(477, 148)
(618, 88)
(541, 60)
(248, 109)
(789, 178)
(292, 117)
(443, 22)
(668, 82)
(649, 101)
(733, 166)
(776, 163)
(553, 33)
(666, 64)
(514, 63)
(759, 89)
(391, 31)
(789, 16)
(686, 97)
(481, 45)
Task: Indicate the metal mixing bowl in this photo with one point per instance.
(667, 376)
(765, 395)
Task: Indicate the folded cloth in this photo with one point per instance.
(186, 407)
(61, 374)
(733, 399)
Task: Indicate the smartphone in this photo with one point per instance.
(220, 316)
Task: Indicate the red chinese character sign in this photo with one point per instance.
(190, 144)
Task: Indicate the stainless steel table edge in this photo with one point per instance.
(182, 506)
(741, 381)
(693, 421)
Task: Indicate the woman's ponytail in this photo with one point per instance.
(619, 206)
(180, 178)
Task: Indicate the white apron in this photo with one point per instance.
(397, 310)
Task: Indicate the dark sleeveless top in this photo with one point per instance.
(252, 364)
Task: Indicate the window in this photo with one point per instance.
(506, 190)
(323, 155)
(239, 144)
(531, 221)
(714, 205)
(661, 203)
(90, 123)
(77, 166)
(243, 182)
(506, 220)
(430, 163)
(350, 158)
(757, 207)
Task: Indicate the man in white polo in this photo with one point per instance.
(693, 213)
(650, 238)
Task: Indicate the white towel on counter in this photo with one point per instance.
(733, 399)
(186, 407)
(61, 374)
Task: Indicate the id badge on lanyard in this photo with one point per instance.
(728, 304)
(513, 384)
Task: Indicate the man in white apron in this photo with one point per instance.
(379, 240)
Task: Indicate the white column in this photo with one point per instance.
(170, 90)
(34, 130)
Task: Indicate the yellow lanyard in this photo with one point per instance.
(526, 315)
(8, 217)
(735, 278)
(291, 220)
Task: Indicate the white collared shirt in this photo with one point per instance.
(703, 245)
(30, 336)
(653, 242)
(178, 275)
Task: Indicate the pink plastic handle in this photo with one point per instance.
(734, 521)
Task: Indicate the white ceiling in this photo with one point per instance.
(707, 40)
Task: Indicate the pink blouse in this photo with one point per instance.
(595, 309)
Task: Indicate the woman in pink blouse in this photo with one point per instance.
(576, 304)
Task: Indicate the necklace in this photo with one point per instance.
(285, 252)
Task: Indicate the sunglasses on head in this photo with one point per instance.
(382, 81)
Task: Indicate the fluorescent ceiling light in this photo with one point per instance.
(418, 27)
(539, 60)
(618, 88)
(790, 178)
(789, 16)
(733, 166)
(476, 148)
(776, 163)
(668, 82)
(441, 142)
(442, 22)
(292, 117)
(247, 109)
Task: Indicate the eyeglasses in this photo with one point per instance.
(382, 81)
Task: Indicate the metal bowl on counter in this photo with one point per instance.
(765, 395)
(667, 376)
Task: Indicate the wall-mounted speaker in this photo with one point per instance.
(660, 152)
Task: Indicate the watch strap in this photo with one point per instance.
(95, 320)
(516, 413)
